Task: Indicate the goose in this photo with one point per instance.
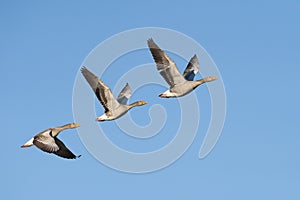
(180, 85)
(114, 108)
(47, 141)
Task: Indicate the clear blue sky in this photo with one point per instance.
(256, 48)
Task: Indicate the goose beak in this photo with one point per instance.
(76, 125)
(211, 78)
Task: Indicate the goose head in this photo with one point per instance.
(210, 78)
(138, 103)
(74, 125)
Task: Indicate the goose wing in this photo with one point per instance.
(45, 142)
(192, 69)
(124, 95)
(63, 151)
(166, 67)
(101, 90)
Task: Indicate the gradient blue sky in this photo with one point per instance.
(256, 48)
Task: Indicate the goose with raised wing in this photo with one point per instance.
(180, 85)
(114, 108)
(47, 141)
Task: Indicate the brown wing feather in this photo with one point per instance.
(45, 141)
(101, 90)
(100, 94)
(63, 150)
(165, 65)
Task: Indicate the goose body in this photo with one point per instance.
(180, 84)
(47, 141)
(114, 108)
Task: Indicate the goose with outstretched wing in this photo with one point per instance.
(47, 141)
(180, 85)
(113, 108)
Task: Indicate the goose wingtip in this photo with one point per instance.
(83, 68)
(150, 41)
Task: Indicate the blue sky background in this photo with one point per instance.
(256, 48)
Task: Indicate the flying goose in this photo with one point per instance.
(47, 141)
(180, 85)
(114, 108)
